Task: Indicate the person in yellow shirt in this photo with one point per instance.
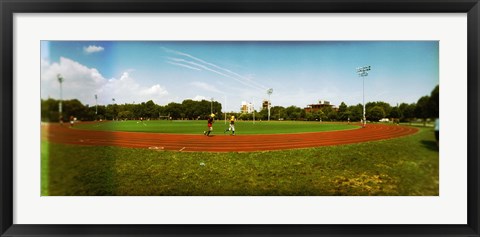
(232, 126)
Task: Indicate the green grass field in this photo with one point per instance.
(198, 126)
(402, 166)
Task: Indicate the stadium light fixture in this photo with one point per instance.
(269, 92)
(60, 81)
(363, 72)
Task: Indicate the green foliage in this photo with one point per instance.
(398, 167)
(386, 108)
(343, 113)
(277, 113)
(422, 110)
(395, 113)
(293, 113)
(434, 102)
(407, 111)
(426, 107)
(375, 113)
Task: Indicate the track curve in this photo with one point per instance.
(222, 143)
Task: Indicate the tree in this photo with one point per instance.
(332, 115)
(385, 106)
(76, 109)
(293, 112)
(407, 112)
(342, 112)
(356, 112)
(422, 108)
(150, 109)
(434, 102)
(263, 114)
(174, 109)
(277, 112)
(395, 113)
(49, 110)
(376, 113)
(125, 115)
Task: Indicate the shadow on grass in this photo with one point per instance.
(75, 170)
(431, 145)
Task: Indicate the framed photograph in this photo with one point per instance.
(254, 118)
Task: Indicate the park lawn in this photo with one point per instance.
(198, 126)
(402, 166)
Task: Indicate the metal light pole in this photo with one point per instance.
(363, 72)
(96, 109)
(60, 80)
(269, 92)
(253, 109)
(211, 105)
(225, 109)
(114, 110)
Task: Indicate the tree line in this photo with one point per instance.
(188, 109)
(426, 107)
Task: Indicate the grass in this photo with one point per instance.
(403, 166)
(198, 126)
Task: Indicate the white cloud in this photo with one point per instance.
(92, 49)
(199, 98)
(154, 91)
(83, 83)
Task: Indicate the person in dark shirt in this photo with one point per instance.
(209, 125)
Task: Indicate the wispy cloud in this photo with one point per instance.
(93, 49)
(200, 63)
(205, 86)
(186, 66)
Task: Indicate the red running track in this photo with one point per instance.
(220, 142)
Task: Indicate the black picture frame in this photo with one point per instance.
(9, 7)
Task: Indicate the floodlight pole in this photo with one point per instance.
(363, 72)
(269, 92)
(253, 109)
(225, 109)
(363, 102)
(211, 105)
(60, 80)
(113, 116)
(96, 104)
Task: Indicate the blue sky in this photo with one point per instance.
(299, 72)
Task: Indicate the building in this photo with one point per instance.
(265, 104)
(246, 107)
(316, 107)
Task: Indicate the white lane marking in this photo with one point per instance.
(182, 149)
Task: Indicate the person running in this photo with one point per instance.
(232, 126)
(210, 125)
(72, 120)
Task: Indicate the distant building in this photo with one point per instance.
(246, 107)
(316, 107)
(265, 104)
